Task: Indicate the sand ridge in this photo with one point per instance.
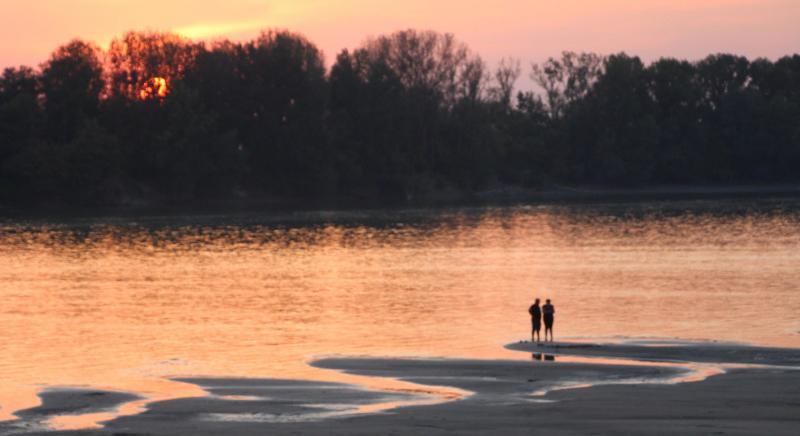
(759, 393)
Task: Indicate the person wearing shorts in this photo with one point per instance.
(549, 311)
(536, 321)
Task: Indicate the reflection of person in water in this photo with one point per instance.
(536, 321)
(540, 356)
(549, 312)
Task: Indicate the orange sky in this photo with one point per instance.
(529, 30)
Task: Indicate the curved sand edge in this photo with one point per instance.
(752, 400)
(671, 351)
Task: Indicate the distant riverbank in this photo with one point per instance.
(600, 193)
(498, 195)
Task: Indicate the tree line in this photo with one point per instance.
(157, 117)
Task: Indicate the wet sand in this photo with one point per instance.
(758, 393)
(671, 350)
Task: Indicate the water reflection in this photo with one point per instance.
(543, 356)
(120, 302)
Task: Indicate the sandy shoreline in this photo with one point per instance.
(758, 393)
(671, 350)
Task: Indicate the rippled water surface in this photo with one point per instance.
(122, 302)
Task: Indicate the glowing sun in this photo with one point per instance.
(154, 88)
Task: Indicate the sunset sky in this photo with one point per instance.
(530, 30)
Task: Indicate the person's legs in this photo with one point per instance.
(548, 326)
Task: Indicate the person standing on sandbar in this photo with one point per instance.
(536, 321)
(549, 312)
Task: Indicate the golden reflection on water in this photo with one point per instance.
(122, 303)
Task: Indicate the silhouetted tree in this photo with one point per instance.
(159, 118)
(677, 98)
(566, 80)
(505, 78)
(281, 116)
(71, 83)
(614, 131)
(139, 57)
(404, 86)
(20, 115)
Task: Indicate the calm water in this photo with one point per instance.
(124, 302)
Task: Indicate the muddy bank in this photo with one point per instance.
(755, 391)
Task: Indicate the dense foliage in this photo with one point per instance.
(158, 118)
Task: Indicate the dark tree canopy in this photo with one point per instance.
(139, 57)
(159, 119)
(71, 84)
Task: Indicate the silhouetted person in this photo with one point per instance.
(536, 321)
(549, 312)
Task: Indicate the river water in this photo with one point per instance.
(123, 302)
